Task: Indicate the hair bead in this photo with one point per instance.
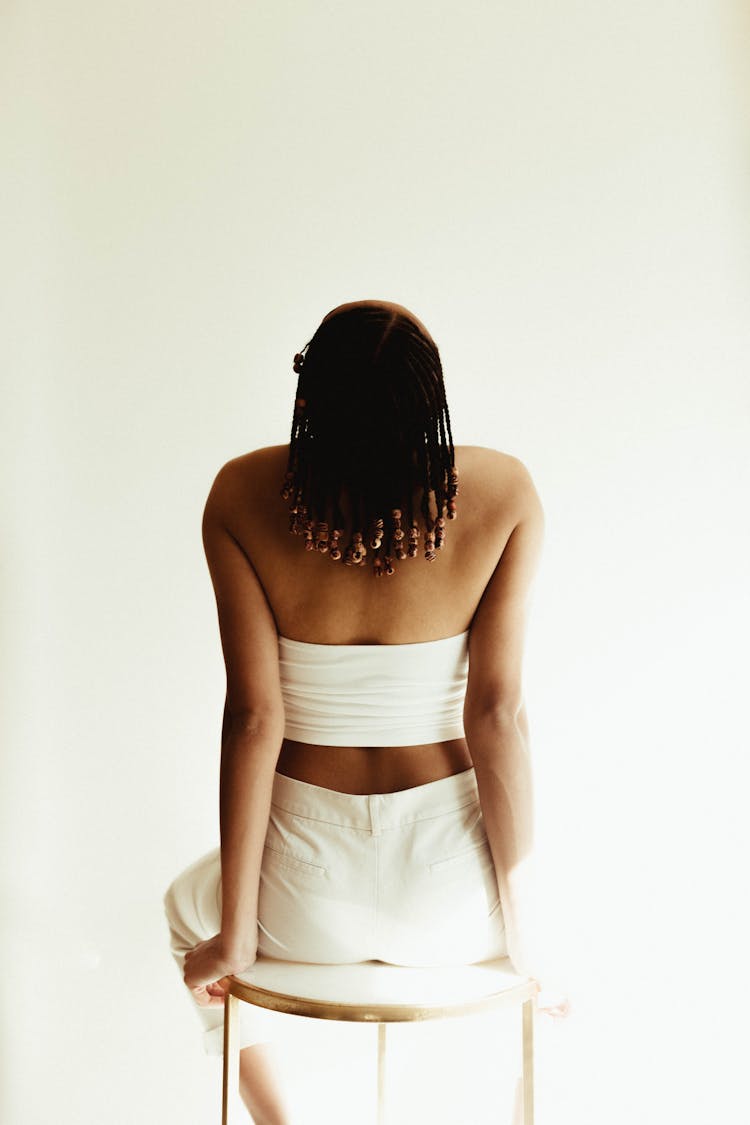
(288, 485)
(335, 551)
(452, 494)
(377, 535)
(356, 551)
(413, 548)
(321, 543)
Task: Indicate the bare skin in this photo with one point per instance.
(314, 599)
(267, 585)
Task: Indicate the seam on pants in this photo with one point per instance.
(323, 820)
(428, 816)
(389, 828)
(373, 807)
(376, 920)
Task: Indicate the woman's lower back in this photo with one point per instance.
(373, 769)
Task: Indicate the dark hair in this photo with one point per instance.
(371, 431)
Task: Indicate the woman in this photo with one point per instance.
(375, 791)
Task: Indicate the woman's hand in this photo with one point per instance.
(549, 1001)
(206, 965)
(552, 1002)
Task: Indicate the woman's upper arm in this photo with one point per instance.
(498, 628)
(249, 637)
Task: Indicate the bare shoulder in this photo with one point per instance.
(506, 480)
(241, 476)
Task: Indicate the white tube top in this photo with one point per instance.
(374, 695)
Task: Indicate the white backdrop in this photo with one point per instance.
(559, 191)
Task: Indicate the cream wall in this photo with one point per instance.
(560, 192)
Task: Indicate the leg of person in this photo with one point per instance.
(316, 904)
(317, 883)
(192, 905)
(439, 902)
(260, 1087)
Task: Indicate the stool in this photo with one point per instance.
(375, 992)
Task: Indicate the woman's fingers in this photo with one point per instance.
(209, 995)
(553, 1003)
(205, 999)
(201, 971)
(219, 987)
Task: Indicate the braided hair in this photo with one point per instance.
(371, 434)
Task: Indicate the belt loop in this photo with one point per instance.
(374, 810)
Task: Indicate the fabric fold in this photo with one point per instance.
(374, 695)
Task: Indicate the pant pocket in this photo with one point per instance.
(274, 856)
(473, 854)
(296, 843)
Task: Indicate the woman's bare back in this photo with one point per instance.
(316, 600)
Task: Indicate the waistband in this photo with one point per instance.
(374, 812)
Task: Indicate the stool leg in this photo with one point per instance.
(527, 1065)
(381, 1074)
(231, 1081)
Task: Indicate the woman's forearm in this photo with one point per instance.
(502, 763)
(249, 754)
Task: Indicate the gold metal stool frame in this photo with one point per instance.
(305, 990)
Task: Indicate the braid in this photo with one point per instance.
(371, 424)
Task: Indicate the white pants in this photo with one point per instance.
(402, 877)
